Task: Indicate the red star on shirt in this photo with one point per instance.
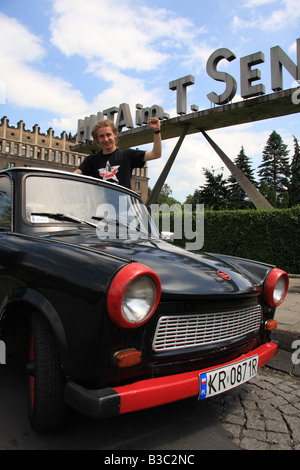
(109, 172)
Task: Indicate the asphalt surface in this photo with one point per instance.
(263, 414)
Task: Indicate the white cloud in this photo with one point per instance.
(129, 35)
(197, 56)
(257, 3)
(18, 43)
(25, 86)
(2, 92)
(286, 17)
(137, 38)
(123, 88)
(107, 31)
(119, 42)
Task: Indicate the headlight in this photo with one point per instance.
(279, 291)
(139, 300)
(276, 287)
(133, 296)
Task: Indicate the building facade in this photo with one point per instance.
(31, 148)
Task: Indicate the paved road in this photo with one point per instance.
(183, 426)
(263, 414)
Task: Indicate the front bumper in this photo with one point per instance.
(148, 393)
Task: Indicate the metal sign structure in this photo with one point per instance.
(256, 106)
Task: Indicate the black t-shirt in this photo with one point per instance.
(115, 167)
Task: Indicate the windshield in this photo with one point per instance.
(53, 200)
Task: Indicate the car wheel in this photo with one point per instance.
(47, 408)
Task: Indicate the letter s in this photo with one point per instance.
(211, 68)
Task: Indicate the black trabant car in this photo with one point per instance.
(107, 316)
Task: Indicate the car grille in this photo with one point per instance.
(188, 331)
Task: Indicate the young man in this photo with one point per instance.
(114, 164)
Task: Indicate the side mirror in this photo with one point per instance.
(167, 237)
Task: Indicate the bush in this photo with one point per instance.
(269, 236)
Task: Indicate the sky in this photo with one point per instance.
(62, 60)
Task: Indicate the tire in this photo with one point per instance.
(46, 382)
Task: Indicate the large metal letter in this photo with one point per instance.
(180, 85)
(124, 118)
(211, 68)
(248, 76)
(110, 113)
(279, 59)
(143, 115)
(85, 126)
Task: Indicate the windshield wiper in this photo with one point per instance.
(67, 217)
(115, 222)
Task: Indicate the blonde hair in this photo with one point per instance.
(103, 123)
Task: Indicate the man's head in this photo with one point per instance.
(105, 133)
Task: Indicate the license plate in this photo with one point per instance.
(223, 379)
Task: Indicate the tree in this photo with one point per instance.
(214, 194)
(237, 196)
(269, 192)
(275, 168)
(164, 196)
(294, 188)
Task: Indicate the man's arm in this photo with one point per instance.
(79, 172)
(154, 124)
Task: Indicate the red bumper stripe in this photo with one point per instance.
(154, 392)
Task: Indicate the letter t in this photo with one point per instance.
(180, 85)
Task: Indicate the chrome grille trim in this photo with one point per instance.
(194, 330)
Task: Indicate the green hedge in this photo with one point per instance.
(270, 236)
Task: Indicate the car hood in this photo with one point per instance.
(184, 273)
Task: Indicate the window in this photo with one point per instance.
(16, 149)
(5, 203)
(23, 150)
(46, 196)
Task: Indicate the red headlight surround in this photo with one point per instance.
(275, 275)
(117, 290)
